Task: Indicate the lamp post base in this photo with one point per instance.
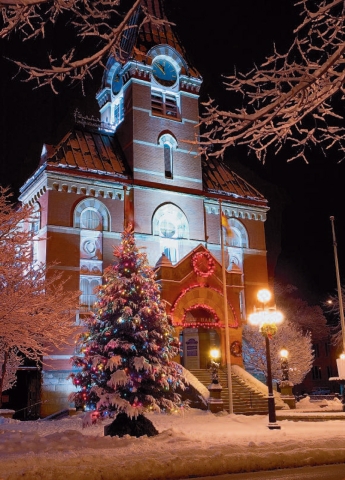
(274, 426)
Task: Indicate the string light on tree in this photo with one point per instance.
(126, 367)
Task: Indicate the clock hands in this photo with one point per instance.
(161, 68)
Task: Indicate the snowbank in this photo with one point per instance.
(193, 443)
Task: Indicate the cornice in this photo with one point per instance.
(232, 210)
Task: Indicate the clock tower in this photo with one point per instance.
(150, 100)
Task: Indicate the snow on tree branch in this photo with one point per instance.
(288, 336)
(332, 306)
(101, 22)
(291, 99)
(36, 307)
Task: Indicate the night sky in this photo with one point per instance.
(237, 33)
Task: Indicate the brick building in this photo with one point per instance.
(138, 164)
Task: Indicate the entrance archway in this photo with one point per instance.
(199, 335)
(196, 312)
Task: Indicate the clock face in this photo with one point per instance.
(164, 72)
(117, 82)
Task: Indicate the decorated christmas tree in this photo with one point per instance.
(127, 349)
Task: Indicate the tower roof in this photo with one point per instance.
(139, 39)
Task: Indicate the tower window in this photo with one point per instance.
(168, 142)
(118, 111)
(164, 104)
(168, 161)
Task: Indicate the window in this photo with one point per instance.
(164, 104)
(91, 214)
(88, 287)
(90, 219)
(316, 372)
(316, 350)
(118, 111)
(329, 371)
(169, 144)
(239, 236)
(35, 224)
(171, 226)
(327, 349)
(168, 160)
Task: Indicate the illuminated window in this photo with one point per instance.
(35, 225)
(169, 144)
(88, 287)
(171, 226)
(91, 214)
(36, 219)
(90, 219)
(239, 237)
(118, 111)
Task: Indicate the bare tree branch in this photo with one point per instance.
(290, 98)
(101, 21)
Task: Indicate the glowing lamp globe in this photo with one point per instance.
(284, 353)
(214, 353)
(264, 295)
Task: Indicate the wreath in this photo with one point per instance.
(236, 349)
(268, 330)
(203, 264)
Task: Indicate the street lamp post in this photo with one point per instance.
(284, 364)
(286, 385)
(215, 356)
(267, 320)
(340, 361)
(215, 402)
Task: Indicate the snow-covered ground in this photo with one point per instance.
(193, 443)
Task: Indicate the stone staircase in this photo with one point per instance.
(246, 401)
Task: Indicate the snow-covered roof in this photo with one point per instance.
(99, 153)
(88, 150)
(218, 178)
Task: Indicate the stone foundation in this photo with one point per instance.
(56, 388)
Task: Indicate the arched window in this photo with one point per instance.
(92, 217)
(235, 244)
(169, 144)
(168, 160)
(88, 287)
(91, 214)
(170, 224)
(239, 237)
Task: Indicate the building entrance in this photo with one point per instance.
(198, 337)
(196, 345)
